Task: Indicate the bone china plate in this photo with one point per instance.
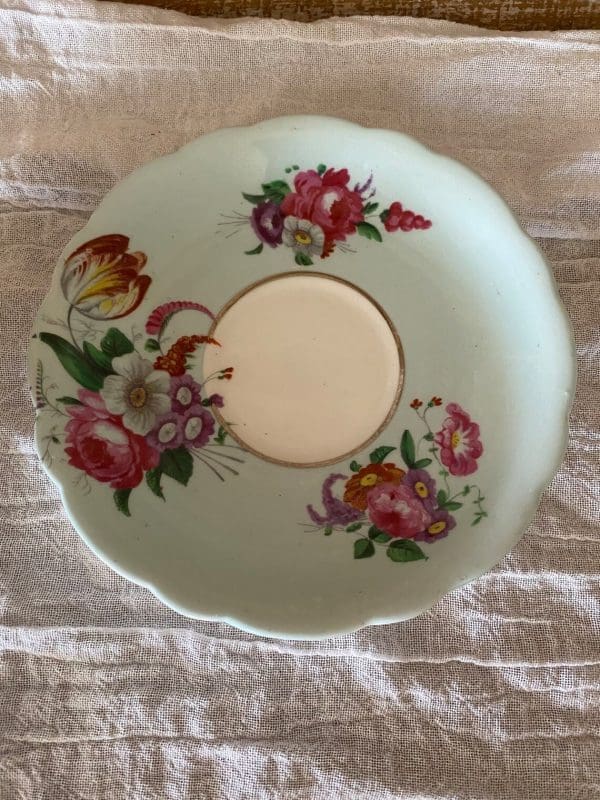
(301, 377)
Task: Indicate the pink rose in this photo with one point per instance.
(459, 442)
(100, 445)
(395, 509)
(326, 201)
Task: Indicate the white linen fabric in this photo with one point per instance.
(105, 693)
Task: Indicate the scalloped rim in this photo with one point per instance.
(528, 512)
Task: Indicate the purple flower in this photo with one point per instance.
(198, 426)
(216, 400)
(267, 223)
(336, 511)
(440, 526)
(362, 190)
(184, 393)
(422, 486)
(167, 434)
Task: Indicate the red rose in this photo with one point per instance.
(326, 201)
(100, 445)
(397, 217)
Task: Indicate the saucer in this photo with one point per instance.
(301, 377)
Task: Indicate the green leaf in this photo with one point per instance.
(121, 498)
(428, 437)
(221, 435)
(363, 548)
(295, 166)
(370, 208)
(303, 260)
(153, 477)
(74, 362)
(368, 231)
(69, 401)
(258, 249)
(382, 538)
(384, 215)
(152, 345)
(275, 191)
(114, 343)
(422, 463)
(321, 168)
(55, 439)
(355, 466)
(287, 170)
(476, 521)
(407, 449)
(452, 505)
(356, 526)
(379, 455)
(403, 550)
(177, 464)
(97, 357)
(441, 497)
(255, 199)
(466, 490)
(378, 535)
(328, 530)
(444, 473)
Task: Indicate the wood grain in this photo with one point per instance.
(498, 14)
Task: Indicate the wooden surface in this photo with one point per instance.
(499, 14)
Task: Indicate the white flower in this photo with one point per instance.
(303, 236)
(137, 391)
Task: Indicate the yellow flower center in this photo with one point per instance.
(455, 439)
(421, 489)
(437, 527)
(137, 397)
(303, 237)
(369, 480)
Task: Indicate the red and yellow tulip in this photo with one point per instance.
(101, 279)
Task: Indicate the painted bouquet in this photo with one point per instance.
(397, 506)
(135, 416)
(319, 213)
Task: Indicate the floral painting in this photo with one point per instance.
(138, 413)
(400, 506)
(319, 214)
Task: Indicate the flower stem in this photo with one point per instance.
(481, 512)
(433, 450)
(41, 389)
(210, 377)
(231, 446)
(216, 461)
(69, 326)
(210, 466)
(224, 455)
(420, 442)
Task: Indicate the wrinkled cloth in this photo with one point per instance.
(105, 693)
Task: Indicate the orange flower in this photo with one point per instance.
(359, 485)
(416, 404)
(101, 279)
(174, 362)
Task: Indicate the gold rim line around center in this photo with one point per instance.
(394, 405)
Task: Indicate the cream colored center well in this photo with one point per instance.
(317, 368)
